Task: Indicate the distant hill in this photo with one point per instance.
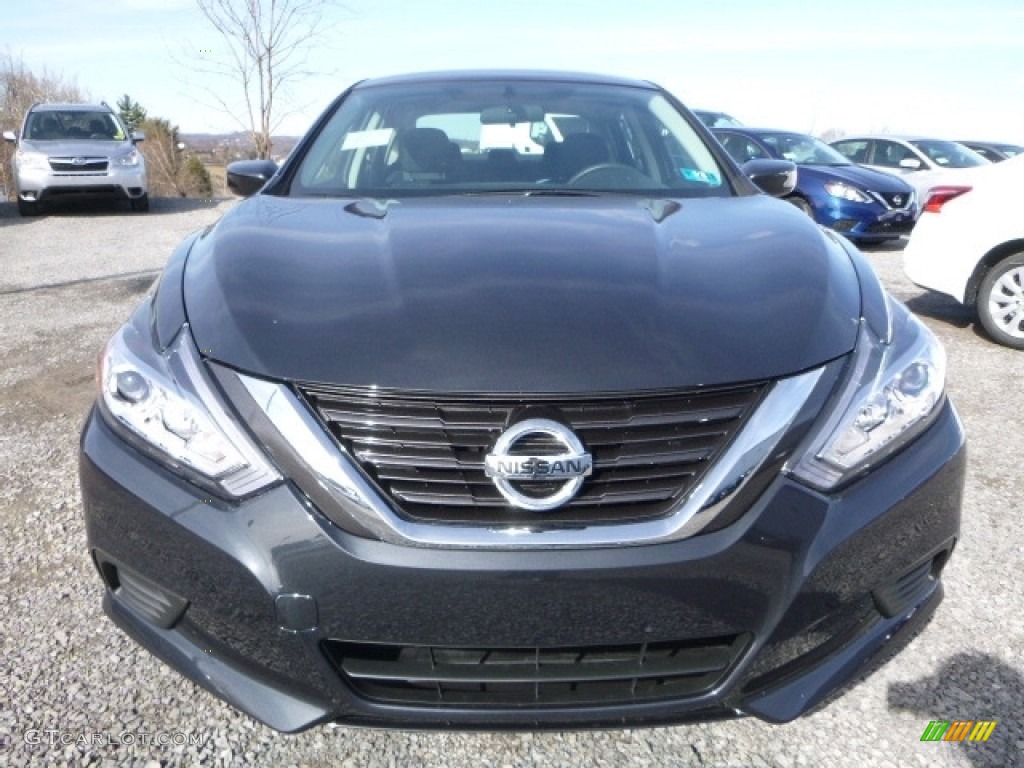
(220, 148)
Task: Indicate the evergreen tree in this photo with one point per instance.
(131, 112)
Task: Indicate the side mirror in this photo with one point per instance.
(910, 163)
(138, 136)
(775, 177)
(247, 177)
(10, 136)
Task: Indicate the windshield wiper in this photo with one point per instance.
(534, 192)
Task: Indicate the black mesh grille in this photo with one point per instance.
(889, 227)
(897, 200)
(503, 677)
(427, 453)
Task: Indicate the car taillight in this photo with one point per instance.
(939, 196)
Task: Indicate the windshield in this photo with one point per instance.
(717, 119)
(802, 150)
(508, 135)
(949, 154)
(54, 125)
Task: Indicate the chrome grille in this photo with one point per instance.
(427, 453)
(502, 677)
(68, 164)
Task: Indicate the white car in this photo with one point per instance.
(924, 163)
(969, 244)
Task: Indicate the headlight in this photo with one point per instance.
(892, 395)
(164, 405)
(31, 159)
(846, 192)
(132, 158)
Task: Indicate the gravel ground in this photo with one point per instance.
(75, 691)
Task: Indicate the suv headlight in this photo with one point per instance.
(35, 160)
(164, 404)
(130, 159)
(847, 192)
(892, 394)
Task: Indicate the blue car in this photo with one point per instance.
(865, 205)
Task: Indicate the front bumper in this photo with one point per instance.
(41, 184)
(868, 222)
(810, 588)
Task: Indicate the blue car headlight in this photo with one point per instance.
(164, 404)
(847, 192)
(892, 394)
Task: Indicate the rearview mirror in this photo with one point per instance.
(10, 136)
(247, 177)
(774, 177)
(510, 114)
(910, 163)
(138, 136)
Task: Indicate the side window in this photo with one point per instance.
(855, 151)
(889, 154)
(740, 148)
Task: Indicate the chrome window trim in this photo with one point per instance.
(337, 472)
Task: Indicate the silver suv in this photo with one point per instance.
(76, 149)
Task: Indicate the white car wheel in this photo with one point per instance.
(1001, 301)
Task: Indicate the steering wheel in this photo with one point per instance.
(612, 176)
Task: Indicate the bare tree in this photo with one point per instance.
(164, 159)
(267, 45)
(173, 171)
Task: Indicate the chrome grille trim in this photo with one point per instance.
(85, 164)
(427, 453)
(336, 472)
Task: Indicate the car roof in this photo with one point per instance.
(889, 136)
(470, 75)
(65, 107)
(759, 131)
(996, 144)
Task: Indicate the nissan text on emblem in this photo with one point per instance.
(506, 466)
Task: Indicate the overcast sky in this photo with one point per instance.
(949, 68)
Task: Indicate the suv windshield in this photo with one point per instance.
(61, 125)
(803, 150)
(949, 154)
(482, 136)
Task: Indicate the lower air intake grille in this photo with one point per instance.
(427, 453)
(890, 227)
(510, 677)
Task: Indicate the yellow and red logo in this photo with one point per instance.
(958, 730)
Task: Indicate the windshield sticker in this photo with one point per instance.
(705, 177)
(376, 138)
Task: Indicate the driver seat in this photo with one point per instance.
(578, 151)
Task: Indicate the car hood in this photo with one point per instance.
(76, 148)
(866, 178)
(520, 294)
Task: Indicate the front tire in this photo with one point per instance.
(28, 207)
(1001, 301)
(802, 204)
(140, 204)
